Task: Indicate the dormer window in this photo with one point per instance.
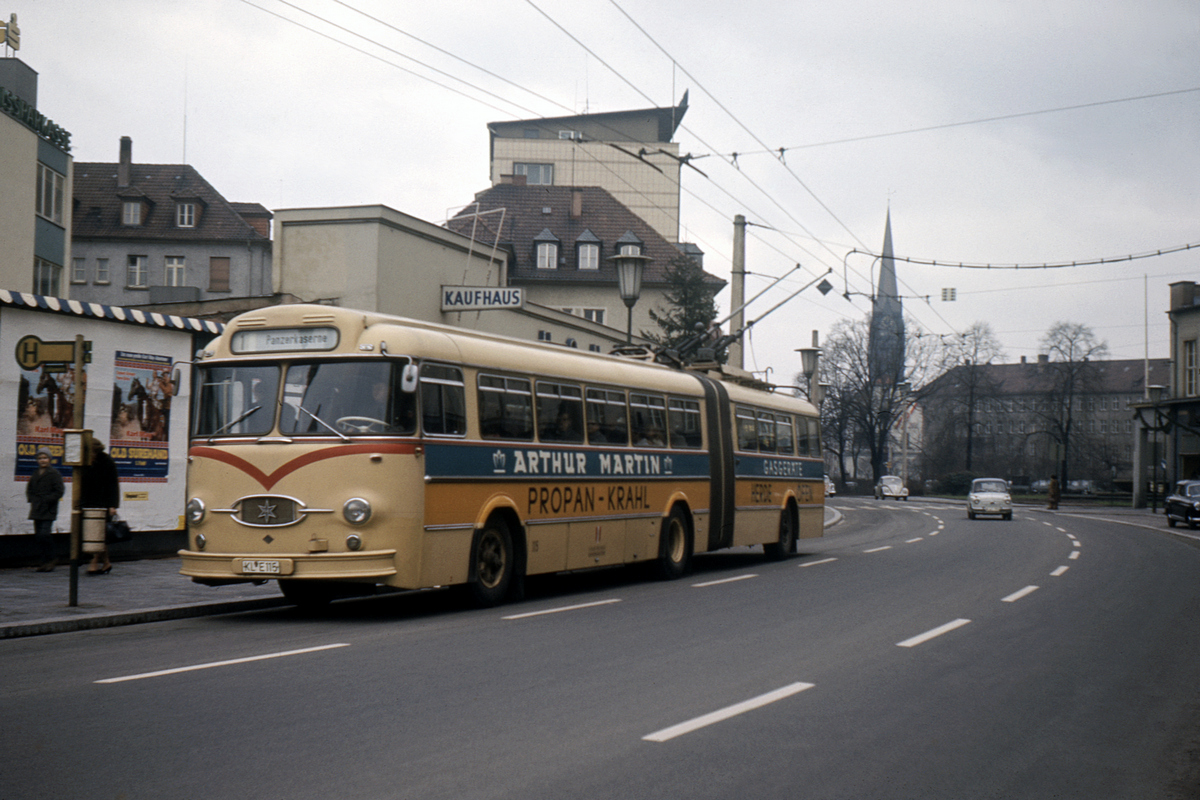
(587, 251)
(545, 250)
(629, 245)
(185, 215)
(131, 212)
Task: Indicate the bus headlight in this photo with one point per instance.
(195, 511)
(356, 511)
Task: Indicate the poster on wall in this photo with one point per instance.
(139, 439)
(45, 400)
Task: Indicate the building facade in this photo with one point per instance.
(155, 234)
(35, 188)
(628, 153)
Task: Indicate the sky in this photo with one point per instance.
(994, 132)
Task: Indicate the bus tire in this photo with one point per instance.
(492, 563)
(788, 525)
(674, 546)
(308, 595)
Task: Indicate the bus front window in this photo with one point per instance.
(346, 397)
(236, 401)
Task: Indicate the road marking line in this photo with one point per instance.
(918, 539)
(1015, 596)
(822, 561)
(1062, 530)
(1048, 524)
(1074, 555)
(560, 609)
(933, 634)
(723, 580)
(878, 549)
(212, 664)
(1059, 571)
(1076, 543)
(725, 713)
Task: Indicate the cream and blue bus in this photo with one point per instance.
(337, 451)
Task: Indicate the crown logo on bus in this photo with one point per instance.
(498, 461)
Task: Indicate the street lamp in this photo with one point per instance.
(810, 358)
(629, 283)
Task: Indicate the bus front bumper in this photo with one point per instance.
(370, 565)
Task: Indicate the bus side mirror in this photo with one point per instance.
(176, 381)
(408, 379)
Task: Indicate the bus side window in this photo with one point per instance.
(784, 442)
(649, 418)
(683, 416)
(802, 429)
(505, 408)
(747, 428)
(766, 432)
(443, 402)
(607, 417)
(560, 412)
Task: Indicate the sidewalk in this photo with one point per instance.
(150, 590)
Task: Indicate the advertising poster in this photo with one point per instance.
(45, 406)
(139, 437)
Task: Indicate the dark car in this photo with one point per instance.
(1184, 504)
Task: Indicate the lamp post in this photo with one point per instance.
(810, 358)
(1156, 394)
(629, 283)
(905, 389)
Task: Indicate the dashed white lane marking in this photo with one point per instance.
(1062, 530)
(561, 609)
(667, 734)
(1074, 555)
(724, 580)
(933, 634)
(1015, 596)
(822, 561)
(878, 549)
(918, 539)
(1059, 571)
(213, 664)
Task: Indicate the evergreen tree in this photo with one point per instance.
(691, 302)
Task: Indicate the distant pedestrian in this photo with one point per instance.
(44, 490)
(100, 488)
(1054, 493)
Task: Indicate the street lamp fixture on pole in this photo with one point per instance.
(629, 283)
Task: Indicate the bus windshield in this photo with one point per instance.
(316, 398)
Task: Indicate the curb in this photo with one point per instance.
(96, 621)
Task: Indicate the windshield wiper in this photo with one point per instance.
(343, 436)
(231, 423)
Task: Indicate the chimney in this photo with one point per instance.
(1022, 359)
(125, 163)
(1043, 359)
(576, 204)
(1183, 295)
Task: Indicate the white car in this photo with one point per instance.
(891, 486)
(989, 496)
(830, 489)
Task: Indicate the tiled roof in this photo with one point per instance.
(1125, 376)
(532, 210)
(97, 210)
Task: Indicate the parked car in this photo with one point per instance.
(1184, 504)
(891, 486)
(1040, 487)
(989, 496)
(830, 489)
(1081, 487)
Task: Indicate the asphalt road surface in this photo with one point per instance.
(910, 653)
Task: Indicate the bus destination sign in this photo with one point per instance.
(282, 340)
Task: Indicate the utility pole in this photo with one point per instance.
(738, 289)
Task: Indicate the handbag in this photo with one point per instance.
(117, 530)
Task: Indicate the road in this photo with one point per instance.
(910, 653)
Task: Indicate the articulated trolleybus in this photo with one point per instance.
(337, 450)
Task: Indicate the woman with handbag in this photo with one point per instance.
(100, 488)
(44, 490)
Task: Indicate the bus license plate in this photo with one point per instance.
(261, 567)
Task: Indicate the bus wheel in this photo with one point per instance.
(777, 551)
(307, 595)
(492, 561)
(674, 549)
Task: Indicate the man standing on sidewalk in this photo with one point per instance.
(44, 490)
(1054, 492)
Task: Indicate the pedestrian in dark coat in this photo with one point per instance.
(100, 488)
(1054, 494)
(44, 490)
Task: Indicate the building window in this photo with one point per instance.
(589, 256)
(547, 255)
(631, 249)
(101, 270)
(47, 277)
(135, 273)
(218, 274)
(535, 174)
(596, 315)
(544, 336)
(131, 212)
(49, 201)
(175, 271)
(185, 215)
(78, 270)
(1189, 368)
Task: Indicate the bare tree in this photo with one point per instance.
(1073, 350)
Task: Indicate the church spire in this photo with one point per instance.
(886, 346)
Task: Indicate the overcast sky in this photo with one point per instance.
(272, 112)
